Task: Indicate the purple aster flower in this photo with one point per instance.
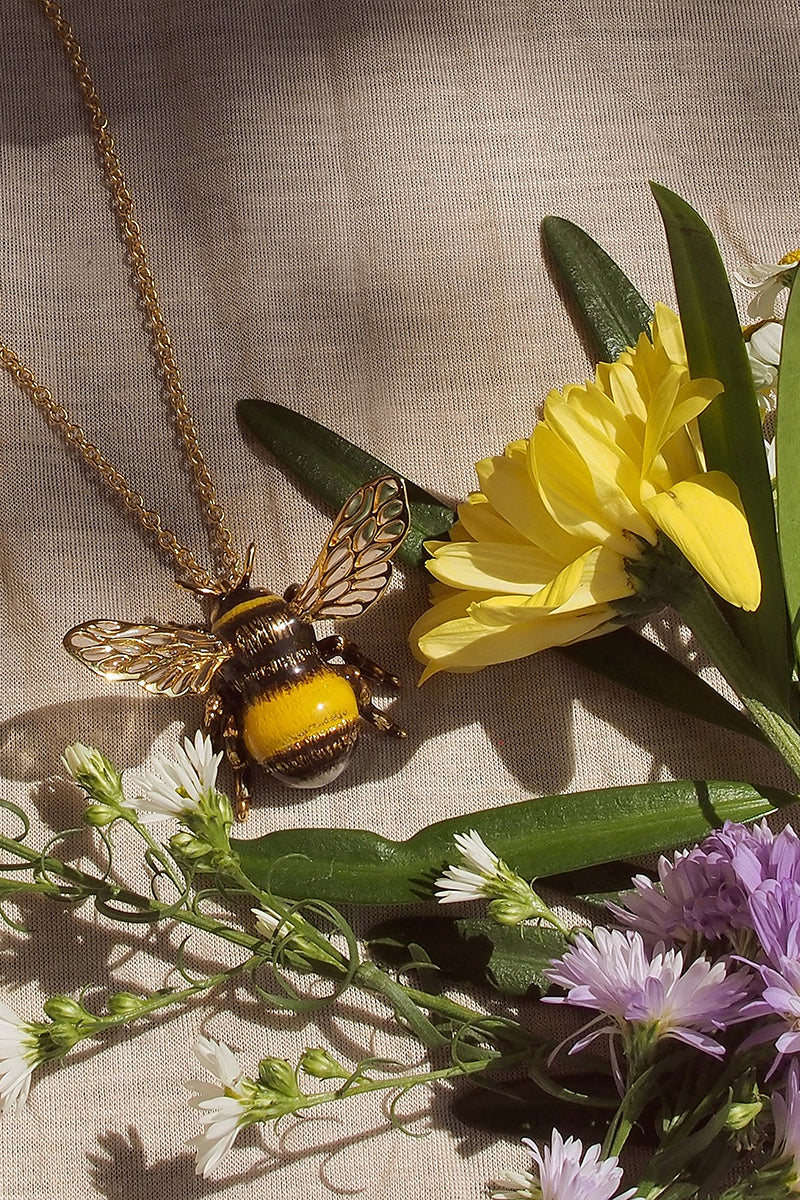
(775, 912)
(565, 1173)
(653, 991)
(760, 855)
(779, 1002)
(697, 893)
(705, 893)
(786, 1115)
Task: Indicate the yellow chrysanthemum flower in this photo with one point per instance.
(540, 555)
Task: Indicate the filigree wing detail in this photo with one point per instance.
(160, 658)
(355, 565)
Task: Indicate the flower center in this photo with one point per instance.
(790, 259)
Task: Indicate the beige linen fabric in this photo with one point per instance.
(342, 204)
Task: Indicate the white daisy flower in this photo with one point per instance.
(19, 1056)
(474, 880)
(764, 352)
(267, 922)
(484, 875)
(224, 1106)
(767, 281)
(174, 788)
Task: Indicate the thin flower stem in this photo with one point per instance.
(407, 1002)
(103, 889)
(371, 977)
(363, 1085)
(160, 1000)
(637, 1093)
(155, 848)
(695, 605)
(443, 1006)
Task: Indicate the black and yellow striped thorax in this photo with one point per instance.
(298, 715)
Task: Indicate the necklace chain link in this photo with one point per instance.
(220, 536)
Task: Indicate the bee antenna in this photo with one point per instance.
(223, 588)
(189, 585)
(243, 579)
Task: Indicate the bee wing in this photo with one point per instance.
(355, 565)
(160, 658)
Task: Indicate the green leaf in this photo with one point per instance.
(731, 426)
(788, 462)
(537, 838)
(637, 663)
(517, 1108)
(614, 313)
(333, 468)
(474, 950)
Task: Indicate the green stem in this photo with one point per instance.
(697, 608)
(636, 1095)
(373, 979)
(155, 848)
(104, 890)
(507, 1029)
(407, 1002)
(158, 1001)
(363, 1085)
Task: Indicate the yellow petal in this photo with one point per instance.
(483, 524)
(509, 486)
(668, 333)
(493, 567)
(597, 577)
(449, 607)
(613, 455)
(465, 645)
(567, 485)
(677, 400)
(704, 517)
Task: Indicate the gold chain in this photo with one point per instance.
(59, 418)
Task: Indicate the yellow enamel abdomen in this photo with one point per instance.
(306, 708)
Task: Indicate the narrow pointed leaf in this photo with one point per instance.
(537, 838)
(517, 1107)
(613, 312)
(333, 468)
(788, 462)
(635, 662)
(731, 426)
(476, 950)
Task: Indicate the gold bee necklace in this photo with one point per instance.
(272, 694)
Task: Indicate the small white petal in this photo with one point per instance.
(222, 1109)
(219, 1059)
(476, 853)
(176, 787)
(267, 922)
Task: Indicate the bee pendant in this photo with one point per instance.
(273, 696)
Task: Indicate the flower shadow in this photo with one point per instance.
(119, 1170)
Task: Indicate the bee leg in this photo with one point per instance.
(213, 715)
(354, 657)
(241, 793)
(221, 727)
(366, 708)
(238, 760)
